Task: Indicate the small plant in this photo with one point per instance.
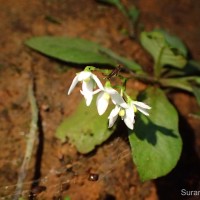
(125, 109)
(153, 132)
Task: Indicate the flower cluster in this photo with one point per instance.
(125, 109)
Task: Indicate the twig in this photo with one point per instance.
(30, 142)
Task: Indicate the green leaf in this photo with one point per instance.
(174, 42)
(162, 51)
(191, 68)
(66, 198)
(194, 80)
(85, 128)
(79, 51)
(184, 83)
(189, 84)
(179, 83)
(73, 50)
(132, 65)
(155, 141)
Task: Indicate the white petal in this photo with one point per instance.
(88, 97)
(128, 122)
(83, 75)
(142, 107)
(74, 82)
(98, 82)
(141, 104)
(96, 91)
(102, 103)
(87, 86)
(143, 111)
(116, 97)
(112, 121)
(113, 116)
(129, 117)
(130, 114)
(114, 112)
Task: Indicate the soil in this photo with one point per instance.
(57, 170)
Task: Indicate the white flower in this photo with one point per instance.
(104, 97)
(128, 113)
(88, 80)
(142, 107)
(113, 116)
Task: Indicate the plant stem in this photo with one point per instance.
(30, 142)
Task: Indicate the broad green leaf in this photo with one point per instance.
(73, 50)
(155, 141)
(162, 51)
(85, 128)
(184, 83)
(174, 41)
(179, 83)
(190, 84)
(194, 80)
(79, 51)
(191, 68)
(128, 63)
